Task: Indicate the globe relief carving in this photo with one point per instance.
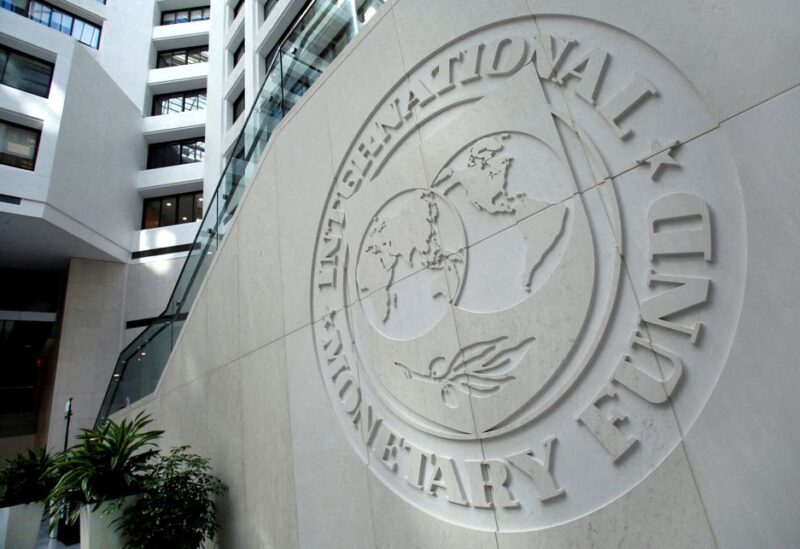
(519, 274)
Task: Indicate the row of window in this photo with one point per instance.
(172, 210)
(182, 56)
(179, 102)
(18, 145)
(194, 100)
(174, 153)
(174, 17)
(25, 72)
(56, 18)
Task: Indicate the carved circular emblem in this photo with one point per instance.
(518, 273)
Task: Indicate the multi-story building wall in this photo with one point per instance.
(116, 118)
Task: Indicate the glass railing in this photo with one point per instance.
(320, 33)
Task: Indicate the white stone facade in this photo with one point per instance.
(663, 295)
(84, 199)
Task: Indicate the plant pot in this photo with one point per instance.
(19, 525)
(97, 528)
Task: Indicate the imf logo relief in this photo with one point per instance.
(524, 294)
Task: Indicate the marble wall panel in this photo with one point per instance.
(304, 173)
(222, 316)
(330, 475)
(267, 447)
(261, 313)
(705, 42)
(743, 445)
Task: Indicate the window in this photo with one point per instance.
(19, 7)
(237, 8)
(185, 16)
(238, 54)
(172, 210)
(269, 5)
(24, 72)
(238, 106)
(179, 102)
(175, 153)
(18, 145)
(185, 56)
(55, 18)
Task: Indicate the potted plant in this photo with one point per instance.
(98, 474)
(25, 481)
(175, 507)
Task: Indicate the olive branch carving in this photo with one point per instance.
(478, 370)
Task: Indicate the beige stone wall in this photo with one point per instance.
(89, 344)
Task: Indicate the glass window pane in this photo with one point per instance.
(198, 55)
(77, 30)
(95, 43)
(172, 58)
(17, 6)
(200, 150)
(175, 104)
(40, 13)
(151, 213)
(84, 33)
(87, 34)
(3, 59)
(18, 146)
(167, 18)
(61, 22)
(182, 16)
(186, 208)
(172, 154)
(238, 106)
(27, 74)
(165, 154)
(238, 53)
(192, 102)
(206, 13)
(198, 206)
(187, 153)
(169, 211)
(160, 104)
(191, 152)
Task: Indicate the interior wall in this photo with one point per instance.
(91, 331)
